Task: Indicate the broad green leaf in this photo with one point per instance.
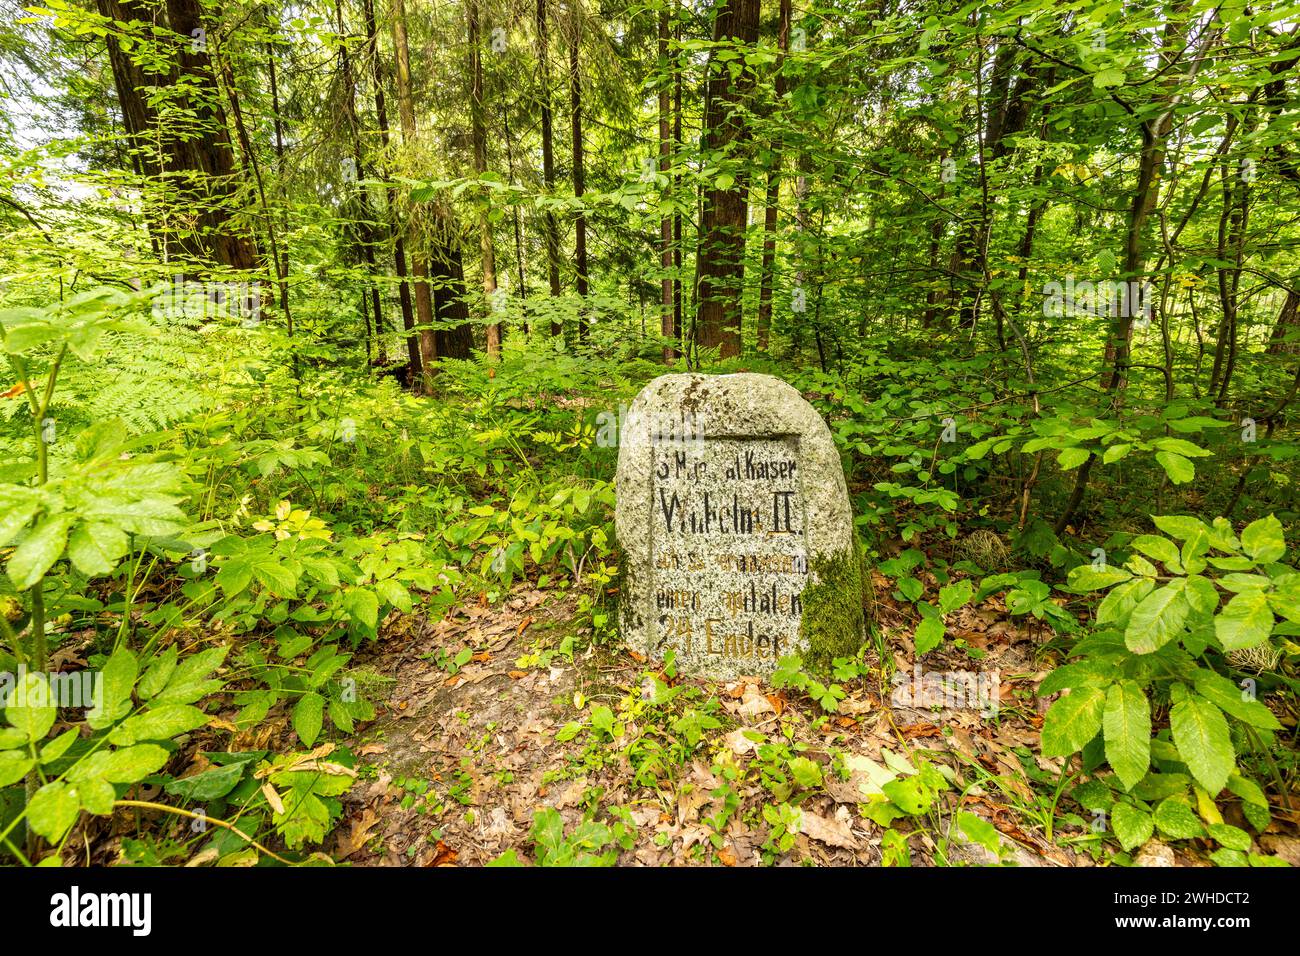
(1072, 457)
(1132, 826)
(134, 763)
(1246, 620)
(1263, 540)
(53, 810)
(31, 707)
(39, 550)
(14, 765)
(308, 716)
(1230, 698)
(1179, 469)
(1180, 527)
(1126, 723)
(161, 723)
(1161, 549)
(1201, 735)
(1158, 619)
(1073, 721)
(96, 547)
(929, 634)
(1085, 577)
(1176, 818)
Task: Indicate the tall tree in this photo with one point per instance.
(478, 138)
(772, 198)
(720, 261)
(551, 227)
(419, 264)
(579, 174)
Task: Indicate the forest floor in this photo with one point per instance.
(457, 764)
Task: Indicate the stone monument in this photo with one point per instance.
(734, 519)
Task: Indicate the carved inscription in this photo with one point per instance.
(728, 556)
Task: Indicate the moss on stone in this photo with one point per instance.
(833, 621)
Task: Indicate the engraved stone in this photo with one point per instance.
(734, 518)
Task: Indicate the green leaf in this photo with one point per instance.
(1176, 819)
(1201, 735)
(207, 785)
(31, 707)
(1072, 457)
(18, 506)
(1246, 620)
(39, 550)
(929, 633)
(1158, 619)
(1179, 469)
(53, 810)
(1085, 577)
(96, 547)
(1162, 549)
(14, 765)
(133, 764)
(1073, 721)
(116, 682)
(1229, 698)
(1126, 723)
(1231, 837)
(308, 717)
(1181, 527)
(1132, 826)
(363, 605)
(161, 723)
(1263, 540)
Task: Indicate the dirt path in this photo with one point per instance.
(460, 759)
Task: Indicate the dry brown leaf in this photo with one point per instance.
(272, 798)
(833, 831)
(358, 836)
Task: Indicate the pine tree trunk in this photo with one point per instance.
(579, 175)
(721, 257)
(399, 243)
(478, 135)
(419, 265)
(550, 226)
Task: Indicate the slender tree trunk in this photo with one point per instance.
(676, 187)
(478, 135)
(772, 199)
(419, 266)
(720, 261)
(365, 218)
(667, 325)
(399, 243)
(1288, 324)
(579, 175)
(550, 226)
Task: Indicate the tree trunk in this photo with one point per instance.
(550, 226)
(667, 325)
(773, 197)
(720, 262)
(579, 176)
(478, 135)
(419, 266)
(399, 244)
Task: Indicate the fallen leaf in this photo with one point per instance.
(833, 831)
(272, 797)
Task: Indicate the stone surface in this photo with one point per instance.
(734, 518)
